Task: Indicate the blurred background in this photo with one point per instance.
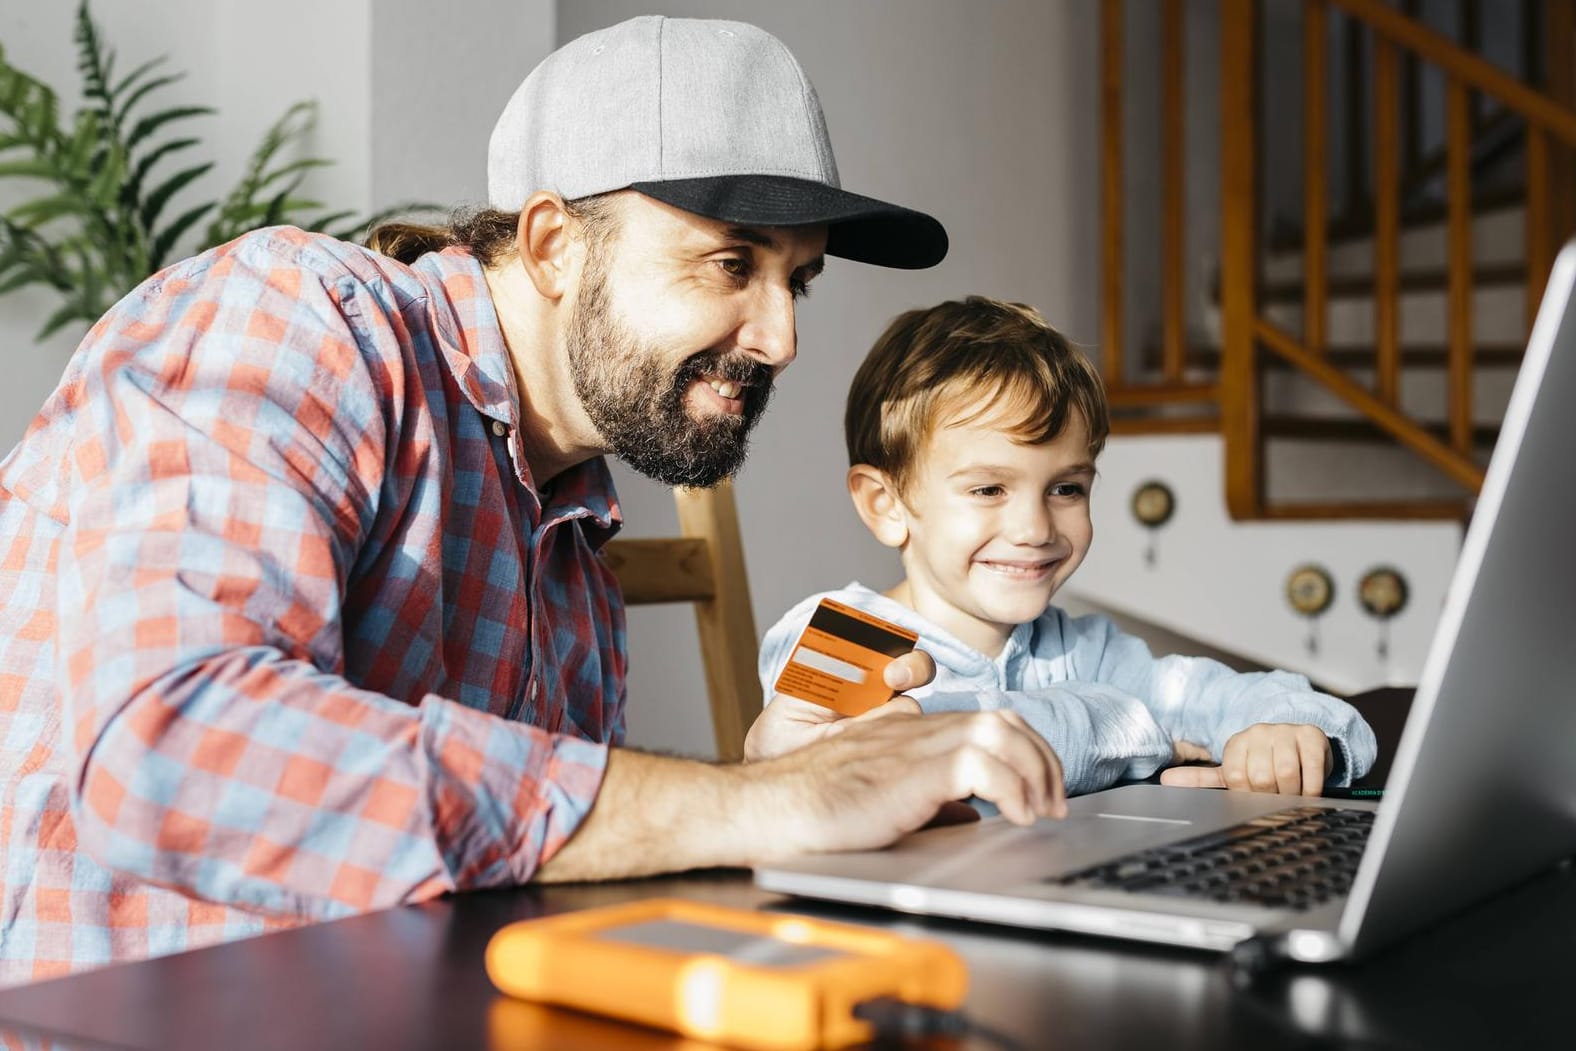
(1074, 151)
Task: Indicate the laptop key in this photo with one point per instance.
(1295, 858)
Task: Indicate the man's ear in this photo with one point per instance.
(546, 243)
(879, 506)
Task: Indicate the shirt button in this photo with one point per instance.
(500, 428)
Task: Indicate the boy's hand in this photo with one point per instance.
(788, 723)
(1268, 757)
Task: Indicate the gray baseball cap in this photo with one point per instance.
(713, 117)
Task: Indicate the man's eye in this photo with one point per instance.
(734, 267)
(800, 287)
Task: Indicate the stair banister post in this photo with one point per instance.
(1239, 374)
(1113, 200)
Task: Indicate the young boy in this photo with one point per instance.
(972, 431)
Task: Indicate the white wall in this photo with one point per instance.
(1223, 582)
(441, 74)
(985, 115)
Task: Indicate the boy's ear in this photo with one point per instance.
(879, 506)
(546, 243)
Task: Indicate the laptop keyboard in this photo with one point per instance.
(1295, 858)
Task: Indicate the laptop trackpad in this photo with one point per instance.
(1100, 826)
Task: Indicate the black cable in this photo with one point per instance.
(1256, 956)
(897, 1021)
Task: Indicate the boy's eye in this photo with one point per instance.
(986, 490)
(1068, 489)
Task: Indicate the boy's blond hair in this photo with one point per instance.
(1001, 359)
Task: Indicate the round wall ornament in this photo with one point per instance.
(1382, 593)
(1153, 504)
(1310, 589)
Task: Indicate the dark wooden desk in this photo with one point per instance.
(1500, 975)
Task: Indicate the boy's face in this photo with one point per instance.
(995, 526)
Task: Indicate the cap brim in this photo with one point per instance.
(859, 228)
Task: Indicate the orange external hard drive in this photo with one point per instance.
(840, 656)
(755, 980)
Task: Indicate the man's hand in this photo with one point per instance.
(1267, 757)
(858, 788)
(788, 723)
(878, 779)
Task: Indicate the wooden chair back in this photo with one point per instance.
(704, 566)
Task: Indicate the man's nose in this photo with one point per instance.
(768, 332)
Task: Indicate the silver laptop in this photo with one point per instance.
(1481, 795)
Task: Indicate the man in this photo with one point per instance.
(300, 606)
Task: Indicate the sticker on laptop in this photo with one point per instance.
(840, 657)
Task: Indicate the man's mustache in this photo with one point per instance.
(736, 368)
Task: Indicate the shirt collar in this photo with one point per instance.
(473, 347)
(472, 340)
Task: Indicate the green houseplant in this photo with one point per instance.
(100, 224)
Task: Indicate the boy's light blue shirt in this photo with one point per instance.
(1108, 707)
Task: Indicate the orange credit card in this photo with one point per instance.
(840, 657)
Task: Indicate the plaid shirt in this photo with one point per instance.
(286, 631)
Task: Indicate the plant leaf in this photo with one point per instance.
(134, 184)
(111, 176)
(152, 123)
(241, 209)
(36, 169)
(303, 165)
(137, 96)
(41, 210)
(159, 197)
(84, 139)
(167, 238)
(72, 311)
(31, 103)
(94, 63)
(22, 277)
(129, 82)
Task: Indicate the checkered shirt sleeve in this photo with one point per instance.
(311, 642)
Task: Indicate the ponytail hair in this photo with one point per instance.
(488, 233)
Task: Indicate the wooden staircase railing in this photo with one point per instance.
(1400, 43)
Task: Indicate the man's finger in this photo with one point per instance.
(910, 671)
(977, 772)
(1009, 736)
(1193, 777)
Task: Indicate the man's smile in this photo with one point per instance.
(718, 395)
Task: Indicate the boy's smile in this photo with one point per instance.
(994, 526)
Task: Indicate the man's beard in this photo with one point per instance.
(639, 409)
